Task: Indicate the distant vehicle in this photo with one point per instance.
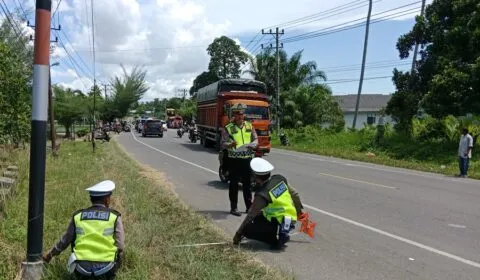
(213, 110)
(152, 127)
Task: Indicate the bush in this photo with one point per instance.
(82, 132)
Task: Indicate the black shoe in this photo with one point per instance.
(235, 212)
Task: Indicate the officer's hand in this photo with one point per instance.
(236, 239)
(233, 144)
(46, 258)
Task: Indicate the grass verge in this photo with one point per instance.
(154, 219)
(396, 151)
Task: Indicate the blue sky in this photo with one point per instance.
(169, 39)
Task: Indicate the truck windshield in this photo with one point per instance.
(256, 113)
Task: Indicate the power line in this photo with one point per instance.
(336, 13)
(71, 46)
(342, 81)
(23, 10)
(345, 26)
(58, 5)
(285, 24)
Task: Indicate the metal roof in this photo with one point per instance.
(368, 102)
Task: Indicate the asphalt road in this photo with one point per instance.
(374, 222)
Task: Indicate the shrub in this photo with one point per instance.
(82, 132)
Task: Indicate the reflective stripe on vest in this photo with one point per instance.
(281, 205)
(94, 240)
(241, 136)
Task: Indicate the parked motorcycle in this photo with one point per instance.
(193, 135)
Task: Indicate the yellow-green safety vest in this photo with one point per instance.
(280, 202)
(94, 235)
(241, 136)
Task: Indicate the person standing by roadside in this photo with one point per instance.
(239, 134)
(465, 152)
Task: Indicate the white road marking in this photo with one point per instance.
(354, 180)
(352, 222)
(457, 226)
(374, 167)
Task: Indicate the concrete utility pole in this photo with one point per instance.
(94, 82)
(32, 268)
(277, 34)
(184, 91)
(362, 72)
(105, 88)
(53, 132)
(415, 52)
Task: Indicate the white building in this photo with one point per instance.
(368, 109)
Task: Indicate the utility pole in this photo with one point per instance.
(94, 82)
(277, 34)
(32, 268)
(415, 52)
(105, 88)
(53, 134)
(184, 91)
(362, 72)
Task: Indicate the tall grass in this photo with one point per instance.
(155, 220)
(428, 154)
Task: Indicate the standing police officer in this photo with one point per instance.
(96, 236)
(239, 134)
(275, 209)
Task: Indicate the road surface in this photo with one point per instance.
(374, 222)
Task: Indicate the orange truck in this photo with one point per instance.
(213, 110)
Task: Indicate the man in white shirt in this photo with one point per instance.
(465, 152)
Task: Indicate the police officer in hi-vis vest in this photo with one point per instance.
(240, 138)
(275, 209)
(96, 236)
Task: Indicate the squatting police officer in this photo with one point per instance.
(275, 209)
(96, 236)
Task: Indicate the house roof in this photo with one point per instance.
(368, 102)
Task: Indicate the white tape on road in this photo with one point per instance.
(352, 222)
(201, 244)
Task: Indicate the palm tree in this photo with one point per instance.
(292, 72)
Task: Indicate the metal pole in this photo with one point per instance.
(278, 81)
(41, 70)
(415, 52)
(365, 45)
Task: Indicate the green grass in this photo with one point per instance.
(396, 150)
(154, 218)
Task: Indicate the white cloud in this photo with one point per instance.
(169, 37)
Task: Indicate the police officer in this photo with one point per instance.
(274, 210)
(239, 133)
(96, 236)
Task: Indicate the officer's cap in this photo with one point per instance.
(238, 108)
(260, 166)
(103, 188)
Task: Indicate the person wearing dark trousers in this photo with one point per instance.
(464, 152)
(240, 139)
(274, 211)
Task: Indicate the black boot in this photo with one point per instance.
(235, 212)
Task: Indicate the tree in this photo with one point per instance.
(446, 80)
(69, 107)
(310, 105)
(293, 72)
(127, 90)
(226, 58)
(202, 80)
(15, 83)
